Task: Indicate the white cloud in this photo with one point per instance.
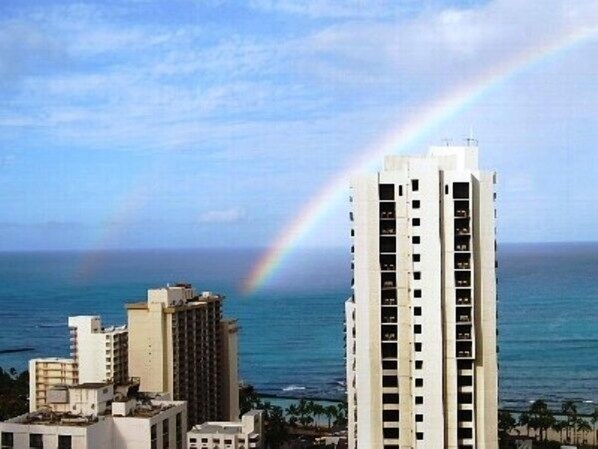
(224, 216)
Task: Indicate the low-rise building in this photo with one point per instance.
(244, 434)
(98, 416)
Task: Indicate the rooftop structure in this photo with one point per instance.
(98, 416)
(244, 434)
(46, 373)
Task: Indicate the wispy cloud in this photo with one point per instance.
(224, 216)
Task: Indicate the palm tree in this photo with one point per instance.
(318, 410)
(594, 420)
(524, 421)
(330, 413)
(559, 426)
(584, 427)
(506, 423)
(570, 409)
(292, 412)
(341, 414)
(541, 418)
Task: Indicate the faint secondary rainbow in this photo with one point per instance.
(407, 133)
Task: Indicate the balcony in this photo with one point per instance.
(389, 336)
(462, 230)
(463, 300)
(464, 336)
(463, 318)
(389, 301)
(387, 230)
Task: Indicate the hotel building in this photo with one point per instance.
(100, 353)
(421, 323)
(246, 433)
(179, 344)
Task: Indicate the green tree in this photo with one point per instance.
(506, 423)
(276, 430)
(330, 412)
(341, 415)
(14, 389)
(524, 421)
(584, 427)
(249, 400)
(293, 414)
(559, 426)
(541, 418)
(570, 409)
(318, 410)
(594, 420)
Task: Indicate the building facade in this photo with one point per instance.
(47, 373)
(101, 353)
(176, 345)
(244, 434)
(421, 323)
(93, 416)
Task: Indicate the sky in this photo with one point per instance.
(194, 123)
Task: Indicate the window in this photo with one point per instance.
(419, 435)
(389, 364)
(390, 381)
(446, 190)
(386, 192)
(391, 433)
(416, 239)
(390, 398)
(179, 431)
(419, 417)
(415, 185)
(419, 400)
(65, 442)
(415, 204)
(390, 415)
(419, 382)
(417, 311)
(417, 275)
(417, 293)
(417, 257)
(7, 440)
(417, 329)
(419, 364)
(418, 347)
(416, 222)
(154, 437)
(165, 438)
(36, 441)
(401, 191)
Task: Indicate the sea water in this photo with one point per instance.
(291, 337)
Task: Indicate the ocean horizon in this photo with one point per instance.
(291, 337)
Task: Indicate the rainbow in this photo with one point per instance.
(406, 134)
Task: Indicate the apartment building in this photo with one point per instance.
(421, 323)
(96, 416)
(178, 343)
(45, 373)
(101, 353)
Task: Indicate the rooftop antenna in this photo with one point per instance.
(447, 142)
(471, 141)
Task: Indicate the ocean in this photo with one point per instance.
(291, 337)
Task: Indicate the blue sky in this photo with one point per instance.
(189, 123)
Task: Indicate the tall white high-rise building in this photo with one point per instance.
(421, 324)
(101, 353)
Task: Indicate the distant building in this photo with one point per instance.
(101, 353)
(46, 373)
(421, 324)
(178, 343)
(244, 434)
(94, 416)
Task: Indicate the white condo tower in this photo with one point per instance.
(421, 324)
